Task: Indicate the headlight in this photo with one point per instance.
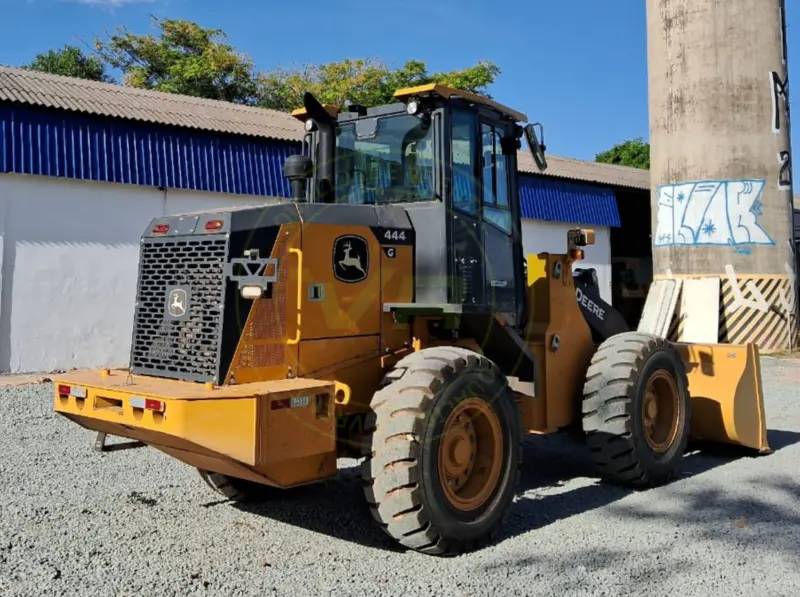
(251, 292)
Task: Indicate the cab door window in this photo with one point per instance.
(494, 166)
(463, 151)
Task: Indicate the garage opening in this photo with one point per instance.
(631, 254)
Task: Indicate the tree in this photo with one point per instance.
(188, 59)
(70, 61)
(368, 82)
(634, 153)
(184, 58)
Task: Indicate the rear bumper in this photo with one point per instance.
(280, 432)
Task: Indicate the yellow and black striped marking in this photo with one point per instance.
(759, 317)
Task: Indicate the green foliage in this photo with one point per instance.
(369, 82)
(184, 58)
(70, 61)
(634, 153)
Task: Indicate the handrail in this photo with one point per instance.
(299, 253)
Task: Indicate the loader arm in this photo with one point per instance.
(603, 319)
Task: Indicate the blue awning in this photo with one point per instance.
(565, 201)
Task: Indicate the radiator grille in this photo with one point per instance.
(187, 347)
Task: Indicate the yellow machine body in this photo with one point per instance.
(236, 430)
(279, 433)
(724, 380)
(271, 340)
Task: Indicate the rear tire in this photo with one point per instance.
(237, 490)
(636, 410)
(444, 413)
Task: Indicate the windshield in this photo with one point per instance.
(391, 162)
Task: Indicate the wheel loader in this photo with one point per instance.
(386, 312)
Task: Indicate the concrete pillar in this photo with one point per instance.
(721, 159)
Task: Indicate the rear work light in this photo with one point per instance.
(160, 229)
(65, 390)
(147, 404)
(213, 225)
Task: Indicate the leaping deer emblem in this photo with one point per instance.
(350, 261)
(177, 308)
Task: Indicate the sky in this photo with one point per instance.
(579, 67)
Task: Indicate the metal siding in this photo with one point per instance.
(562, 201)
(48, 143)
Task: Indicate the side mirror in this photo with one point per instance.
(536, 148)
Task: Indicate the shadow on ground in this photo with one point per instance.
(765, 521)
(338, 509)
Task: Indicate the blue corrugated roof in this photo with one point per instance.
(49, 143)
(563, 201)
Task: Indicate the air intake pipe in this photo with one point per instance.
(326, 125)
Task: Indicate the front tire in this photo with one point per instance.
(637, 410)
(443, 456)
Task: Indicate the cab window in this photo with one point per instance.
(463, 151)
(494, 168)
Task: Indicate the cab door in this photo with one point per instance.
(497, 186)
(465, 221)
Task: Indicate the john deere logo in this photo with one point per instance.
(177, 303)
(350, 259)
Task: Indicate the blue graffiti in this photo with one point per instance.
(723, 212)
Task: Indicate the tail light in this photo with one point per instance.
(148, 404)
(65, 390)
(160, 229)
(213, 225)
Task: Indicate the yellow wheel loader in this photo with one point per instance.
(387, 312)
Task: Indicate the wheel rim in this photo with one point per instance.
(660, 411)
(470, 454)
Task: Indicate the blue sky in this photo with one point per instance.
(580, 66)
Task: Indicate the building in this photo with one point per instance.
(85, 166)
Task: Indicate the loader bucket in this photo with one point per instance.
(726, 394)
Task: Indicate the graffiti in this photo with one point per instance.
(757, 302)
(779, 90)
(784, 45)
(710, 213)
(785, 175)
(780, 99)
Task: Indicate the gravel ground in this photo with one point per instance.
(74, 522)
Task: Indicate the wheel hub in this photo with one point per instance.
(661, 411)
(470, 454)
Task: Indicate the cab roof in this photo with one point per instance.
(443, 91)
(433, 89)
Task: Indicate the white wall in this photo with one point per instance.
(69, 253)
(551, 237)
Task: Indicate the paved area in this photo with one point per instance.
(136, 523)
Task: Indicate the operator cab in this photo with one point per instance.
(449, 158)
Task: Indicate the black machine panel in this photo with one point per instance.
(500, 272)
(189, 313)
(468, 261)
